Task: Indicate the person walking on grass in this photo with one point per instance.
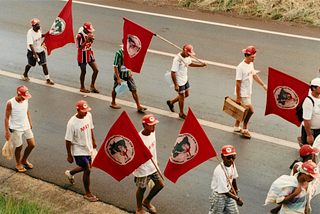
(245, 73)
(148, 171)
(17, 123)
(35, 51)
(80, 142)
(84, 40)
(121, 73)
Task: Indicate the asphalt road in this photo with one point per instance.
(259, 161)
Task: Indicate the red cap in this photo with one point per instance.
(83, 106)
(249, 50)
(307, 150)
(189, 49)
(23, 92)
(149, 119)
(228, 150)
(310, 168)
(34, 21)
(88, 26)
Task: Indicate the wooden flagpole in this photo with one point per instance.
(234, 192)
(160, 37)
(157, 168)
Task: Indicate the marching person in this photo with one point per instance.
(180, 79)
(245, 73)
(294, 199)
(85, 39)
(35, 51)
(121, 73)
(310, 128)
(80, 142)
(222, 198)
(148, 170)
(17, 123)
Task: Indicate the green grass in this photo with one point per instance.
(9, 205)
(299, 11)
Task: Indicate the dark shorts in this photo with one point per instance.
(83, 65)
(184, 88)
(131, 84)
(315, 133)
(82, 161)
(32, 61)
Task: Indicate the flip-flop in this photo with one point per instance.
(91, 199)
(25, 78)
(21, 169)
(84, 90)
(142, 110)
(28, 165)
(246, 134)
(151, 209)
(171, 107)
(115, 106)
(183, 116)
(94, 90)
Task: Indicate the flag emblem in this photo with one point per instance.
(285, 97)
(133, 45)
(58, 26)
(120, 149)
(185, 148)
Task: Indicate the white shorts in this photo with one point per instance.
(246, 101)
(16, 136)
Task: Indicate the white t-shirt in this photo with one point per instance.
(34, 38)
(148, 168)
(245, 72)
(180, 68)
(19, 115)
(312, 112)
(219, 181)
(79, 134)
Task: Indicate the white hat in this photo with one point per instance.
(315, 82)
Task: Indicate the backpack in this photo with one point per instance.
(299, 110)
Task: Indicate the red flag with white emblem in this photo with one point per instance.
(192, 148)
(284, 94)
(136, 40)
(61, 32)
(122, 150)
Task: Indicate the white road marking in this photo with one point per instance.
(155, 110)
(199, 21)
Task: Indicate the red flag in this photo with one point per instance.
(284, 94)
(192, 148)
(136, 40)
(61, 32)
(122, 151)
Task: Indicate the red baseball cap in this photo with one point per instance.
(310, 168)
(249, 50)
(88, 26)
(149, 119)
(34, 21)
(307, 150)
(24, 92)
(83, 106)
(189, 49)
(228, 150)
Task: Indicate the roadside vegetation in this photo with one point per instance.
(10, 205)
(298, 11)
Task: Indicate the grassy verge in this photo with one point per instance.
(9, 205)
(299, 11)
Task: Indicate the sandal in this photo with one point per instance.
(183, 116)
(246, 134)
(94, 90)
(151, 208)
(91, 199)
(142, 110)
(116, 106)
(84, 90)
(21, 169)
(25, 78)
(49, 82)
(27, 165)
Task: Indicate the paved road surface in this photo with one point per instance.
(259, 161)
